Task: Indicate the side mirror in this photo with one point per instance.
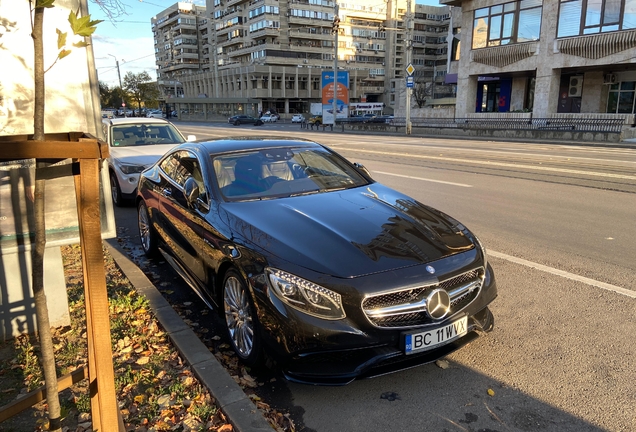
(191, 138)
(191, 189)
(362, 169)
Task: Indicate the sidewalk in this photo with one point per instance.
(237, 407)
(418, 132)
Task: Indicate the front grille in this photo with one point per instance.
(462, 289)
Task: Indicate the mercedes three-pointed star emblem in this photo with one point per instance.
(438, 304)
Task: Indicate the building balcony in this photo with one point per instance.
(185, 56)
(504, 55)
(597, 45)
(366, 89)
(264, 32)
(234, 3)
(236, 43)
(222, 33)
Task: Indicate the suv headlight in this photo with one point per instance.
(305, 296)
(131, 169)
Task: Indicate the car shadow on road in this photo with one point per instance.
(426, 398)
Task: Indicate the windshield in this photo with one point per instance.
(283, 172)
(145, 134)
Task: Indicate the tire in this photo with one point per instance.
(115, 191)
(237, 123)
(147, 233)
(241, 321)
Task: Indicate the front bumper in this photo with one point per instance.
(342, 367)
(311, 350)
(127, 183)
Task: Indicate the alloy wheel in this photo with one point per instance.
(146, 234)
(238, 316)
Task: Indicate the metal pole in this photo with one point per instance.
(120, 87)
(336, 27)
(409, 52)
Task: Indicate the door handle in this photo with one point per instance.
(166, 192)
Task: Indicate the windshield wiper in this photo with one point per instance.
(311, 192)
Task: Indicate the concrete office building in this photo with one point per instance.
(550, 58)
(181, 46)
(255, 55)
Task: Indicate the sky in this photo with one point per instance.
(129, 40)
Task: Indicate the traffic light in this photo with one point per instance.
(335, 25)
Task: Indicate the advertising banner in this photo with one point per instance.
(341, 95)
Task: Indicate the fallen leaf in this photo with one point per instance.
(491, 392)
(163, 401)
(443, 364)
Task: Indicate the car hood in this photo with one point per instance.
(348, 233)
(144, 155)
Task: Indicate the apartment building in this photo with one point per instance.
(257, 55)
(181, 45)
(549, 58)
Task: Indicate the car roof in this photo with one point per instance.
(135, 120)
(246, 143)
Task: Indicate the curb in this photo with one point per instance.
(238, 408)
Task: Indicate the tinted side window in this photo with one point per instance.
(184, 165)
(169, 164)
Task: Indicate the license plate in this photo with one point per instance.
(423, 341)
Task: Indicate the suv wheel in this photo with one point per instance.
(115, 190)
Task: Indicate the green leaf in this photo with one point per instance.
(61, 39)
(44, 3)
(63, 54)
(82, 26)
(87, 31)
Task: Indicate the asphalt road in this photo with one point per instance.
(559, 223)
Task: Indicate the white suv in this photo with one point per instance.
(134, 144)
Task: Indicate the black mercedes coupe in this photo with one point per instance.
(310, 261)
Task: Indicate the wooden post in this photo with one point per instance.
(88, 153)
(104, 409)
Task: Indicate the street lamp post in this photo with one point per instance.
(123, 104)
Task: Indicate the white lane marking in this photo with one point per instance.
(516, 152)
(499, 164)
(567, 275)
(423, 179)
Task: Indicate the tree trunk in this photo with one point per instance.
(47, 357)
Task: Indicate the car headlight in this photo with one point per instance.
(305, 296)
(131, 169)
(483, 250)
